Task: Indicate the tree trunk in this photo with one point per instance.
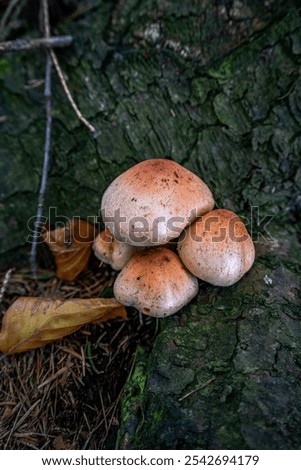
(216, 87)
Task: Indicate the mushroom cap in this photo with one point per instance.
(111, 251)
(155, 282)
(153, 201)
(217, 248)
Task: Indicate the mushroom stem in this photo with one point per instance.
(111, 251)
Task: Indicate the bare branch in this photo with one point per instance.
(68, 93)
(45, 16)
(51, 58)
(43, 186)
(27, 44)
(47, 146)
(5, 283)
(13, 7)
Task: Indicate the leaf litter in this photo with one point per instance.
(66, 395)
(32, 322)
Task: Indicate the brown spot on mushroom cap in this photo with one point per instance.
(153, 285)
(149, 196)
(111, 251)
(217, 248)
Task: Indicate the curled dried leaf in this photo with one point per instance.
(71, 247)
(31, 322)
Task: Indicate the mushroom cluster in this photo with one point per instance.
(162, 233)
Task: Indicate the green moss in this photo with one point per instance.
(231, 114)
(201, 87)
(132, 403)
(5, 67)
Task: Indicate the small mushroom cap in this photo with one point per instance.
(217, 248)
(152, 202)
(156, 283)
(111, 251)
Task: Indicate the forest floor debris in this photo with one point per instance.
(66, 395)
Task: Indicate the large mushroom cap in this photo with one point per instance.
(111, 251)
(152, 202)
(156, 283)
(217, 248)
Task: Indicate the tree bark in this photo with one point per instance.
(216, 87)
(225, 373)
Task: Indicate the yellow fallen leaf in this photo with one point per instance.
(31, 322)
(71, 247)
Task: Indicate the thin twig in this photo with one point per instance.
(68, 94)
(48, 42)
(26, 44)
(39, 216)
(103, 412)
(43, 186)
(45, 13)
(9, 9)
(5, 283)
(61, 371)
(197, 389)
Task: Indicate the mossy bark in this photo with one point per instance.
(225, 373)
(216, 87)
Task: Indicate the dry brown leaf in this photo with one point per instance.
(71, 247)
(31, 322)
